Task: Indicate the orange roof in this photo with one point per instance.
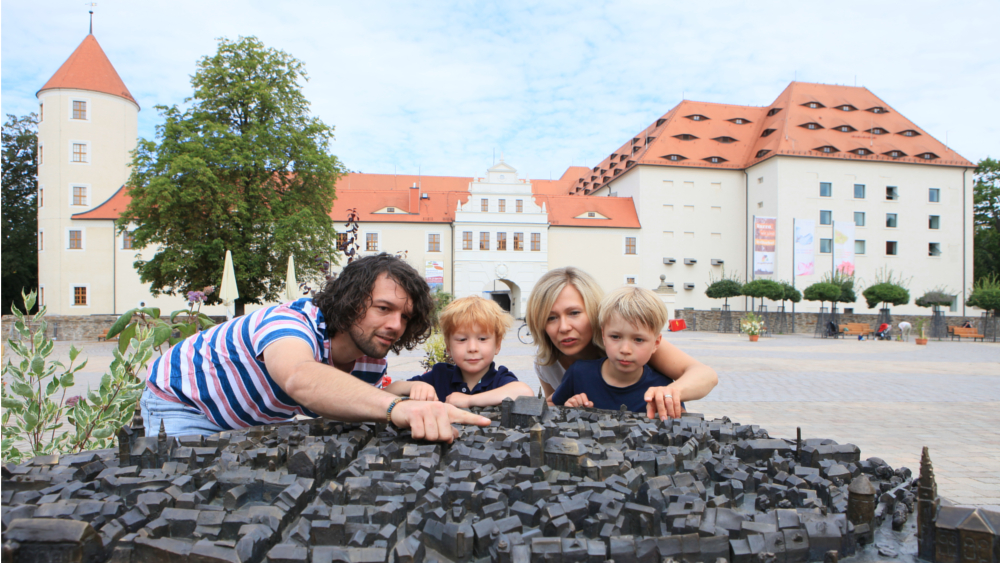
(564, 210)
(110, 209)
(709, 135)
(88, 68)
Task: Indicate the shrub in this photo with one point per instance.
(822, 292)
(764, 289)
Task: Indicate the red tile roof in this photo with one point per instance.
(694, 141)
(88, 68)
(110, 209)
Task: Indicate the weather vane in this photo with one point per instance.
(91, 4)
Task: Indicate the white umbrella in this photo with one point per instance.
(291, 284)
(227, 289)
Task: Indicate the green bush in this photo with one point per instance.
(762, 289)
(790, 293)
(822, 292)
(887, 294)
(935, 298)
(436, 351)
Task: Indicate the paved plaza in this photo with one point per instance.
(889, 398)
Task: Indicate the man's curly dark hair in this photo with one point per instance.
(347, 297)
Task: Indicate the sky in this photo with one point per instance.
(446, 88)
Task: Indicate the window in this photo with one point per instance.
(79, 195)
(934, 195)
(859, 191)
(845, 129)
(80, 152)
(433, 242)
(41, 112)
(861, 152)
(501, 241)
(773, 111)
(761, 153)
(79, 109)
(466, 240)
(878, 109)
(79, 296)
(890, 220)
(484, 241)
(518, 241)
(341, 241)
(859, 247)
(846, 107)
(630, 280)
(371, 242)
(41, 154)
(825, 245)
(740, 121)
(390, 209)
(41, 196)
(891, 193)
(696, 117)
(891, 248)
(484, 205)
(629, 245)
(859, 218)
(714, 159)
(725, 139)
(75, 240)
(934, 222)
(895, 154)
(685, 137)
(503, 206)
(876, 131)
(767, 132)
(536, 242)
(675, 157)
(827, 149)
(814, 105)
(591, 215)
(41, 241)
(519, 206)
(811, 125)
(909, 133)
(128, 242)
(934, 249)
(41, 295)
(826, 217)
(825, 189)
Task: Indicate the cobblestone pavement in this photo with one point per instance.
(889, 398)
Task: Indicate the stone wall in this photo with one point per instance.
(805, 323)
(74, 327)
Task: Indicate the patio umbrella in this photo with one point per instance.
(291, 284)
(227, 289)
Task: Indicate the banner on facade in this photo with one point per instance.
(843, 247)
(805, 257)
(764, 233)
(434, 274)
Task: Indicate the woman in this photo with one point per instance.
(561, 309)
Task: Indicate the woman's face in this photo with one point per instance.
(568, 326)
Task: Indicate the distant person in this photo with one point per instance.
(561, 311)
(473, 330)
(313, 357)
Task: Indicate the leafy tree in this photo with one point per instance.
(937, 297)
(986, 294)
(822, 292)
(20, 207)
(764, 289)
(724, 287)
(887, 290)
(986, 219)
(244, 168)
(846, 284)
(790, 293)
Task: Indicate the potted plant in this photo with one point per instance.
(752, 325)
(921, 340)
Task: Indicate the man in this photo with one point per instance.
(315, 357)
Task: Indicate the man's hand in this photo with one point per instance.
(421, 391)
(663, 402)
(579, 401)
(432, 420)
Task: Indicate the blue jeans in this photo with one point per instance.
(178, 418)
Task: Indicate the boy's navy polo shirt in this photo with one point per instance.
(584, 376)
(447, 379)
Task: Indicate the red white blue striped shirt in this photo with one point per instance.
(220, 371)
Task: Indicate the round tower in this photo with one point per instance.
(88, 125)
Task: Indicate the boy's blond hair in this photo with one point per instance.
(474, 311)
(543, 297)
(637, 306)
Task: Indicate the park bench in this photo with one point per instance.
(104, 336)
(960, 333)
(856, 329)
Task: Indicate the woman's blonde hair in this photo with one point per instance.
(637, 306)
(544, 296)
(474, 311)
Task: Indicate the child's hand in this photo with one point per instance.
(423, 392)
(663, 402)
(460, 400)
(579, 401)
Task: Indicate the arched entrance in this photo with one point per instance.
(507, 294)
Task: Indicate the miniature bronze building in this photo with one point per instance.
(927, 507)
(861, 508)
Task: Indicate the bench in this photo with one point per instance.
(104, 336)
(856, 329)
(960, 333)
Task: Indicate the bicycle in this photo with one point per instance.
(524, 335)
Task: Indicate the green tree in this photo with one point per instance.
(20, 208)
(789, 293)
(887, 290)
(846, 284)
(986, 220)
(822, 292)
(937, 297)
(762, 289)
(724, 287)
(244, 167)
(986, 294)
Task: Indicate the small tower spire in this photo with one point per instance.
(91, 4)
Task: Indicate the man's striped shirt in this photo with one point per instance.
(220, 371)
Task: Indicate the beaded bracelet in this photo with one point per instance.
(392, 405)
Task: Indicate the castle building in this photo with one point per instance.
(826, 177)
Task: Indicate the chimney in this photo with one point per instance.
(414, 199)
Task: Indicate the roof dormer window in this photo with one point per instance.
(927, 156)
(895, 154)
(773, 111)
(909, 133)
(674, 157)
(715, 159)
(811, 125)
(725, 139)
(846, 107)
(827, 149)
(845, 129)
(660, 121)
(878, 109)
(696, 117)
(876, 131)
(767, 132)
(740, 120)
(636, 149)
(814, 105)
(685, 137)
(862, 152)
(761, 153)
(635, 140)
(650, 139)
